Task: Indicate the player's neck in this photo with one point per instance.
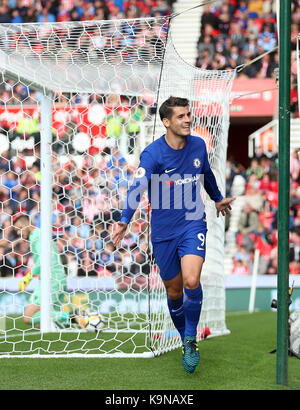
(175, 141)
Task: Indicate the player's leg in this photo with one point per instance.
(174, 289)
(191, 266)
(169, 265)
(191, 269)
(32, 314)
(192, 252)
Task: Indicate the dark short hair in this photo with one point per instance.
(166, 109)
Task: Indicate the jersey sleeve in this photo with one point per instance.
(139, 185)
(210, 183)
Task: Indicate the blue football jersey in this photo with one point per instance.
(173, 179)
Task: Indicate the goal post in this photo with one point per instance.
(93, 89)
(46, 210)
(46, 324)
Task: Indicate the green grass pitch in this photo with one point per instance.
(239, 361)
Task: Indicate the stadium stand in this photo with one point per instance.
(232, 33)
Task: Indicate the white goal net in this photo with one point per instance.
(78, 104)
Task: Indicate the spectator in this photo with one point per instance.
(16, 18)
(255, 168)
(248, 221)
(161, 8)
(250, 71)
(295, 166)
(242, 7)
(7, 261)
(46, 16)
(240, 268)
(249, 25)
(31, 15)
(294, 252)
(237, 36)
(255, 8)
(207, 45)
(252, 30)
(208, 18)
(267, 41)
(230, 174)
(134, 7)
(241, 261)
(5, 16)
(265, 67)
(79, 229)
(235, 59)
(224, 24)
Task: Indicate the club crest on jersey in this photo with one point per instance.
(197, 163)
(140, 172)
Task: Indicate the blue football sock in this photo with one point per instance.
(192, 309)
(177, 314)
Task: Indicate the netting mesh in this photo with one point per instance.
(105, 80)
(208, 93)
(117, 56)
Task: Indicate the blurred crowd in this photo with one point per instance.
(87, 196)
(235, 32)
(109, 41)
(86, 204)
(257, 225)
(32, 11)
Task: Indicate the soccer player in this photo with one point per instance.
(58, 277)
(171, 168)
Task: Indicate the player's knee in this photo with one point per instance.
(192, 282)
(174, 293)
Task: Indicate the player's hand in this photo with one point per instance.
(119, 232)
(24, 282)
(224, 206)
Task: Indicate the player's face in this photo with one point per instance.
(180, 122)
